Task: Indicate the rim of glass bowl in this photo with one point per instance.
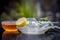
(8, 21)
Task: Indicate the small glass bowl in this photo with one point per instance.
(9, 25)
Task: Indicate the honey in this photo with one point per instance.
(9, 26)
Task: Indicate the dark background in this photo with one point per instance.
(46, 6)
(50, 7)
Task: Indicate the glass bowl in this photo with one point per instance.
(9, 25)
(34, 28)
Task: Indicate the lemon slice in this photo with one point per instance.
(21, 22)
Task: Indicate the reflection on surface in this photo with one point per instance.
(34, 37)
(10, 35)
